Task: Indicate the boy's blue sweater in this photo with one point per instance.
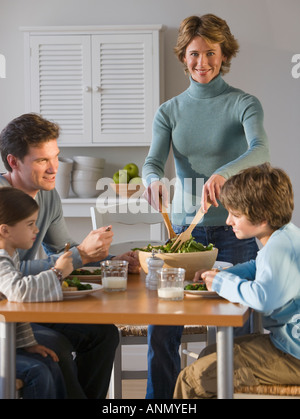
(270, 285)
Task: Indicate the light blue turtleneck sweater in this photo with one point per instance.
(213, 129)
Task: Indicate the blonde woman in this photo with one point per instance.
(215, 131)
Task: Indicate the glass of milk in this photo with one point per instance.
(171, 283)
(114, 275)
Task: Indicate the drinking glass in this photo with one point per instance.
(114, 275)
(171, 283)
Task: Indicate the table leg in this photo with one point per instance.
(7, 360)
(225, 362)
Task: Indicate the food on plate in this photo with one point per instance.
(82, 271)
(197, 286)
(188, 247)
(74, 285)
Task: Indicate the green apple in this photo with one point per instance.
(121, 176)
(136, 180)
(132, 170)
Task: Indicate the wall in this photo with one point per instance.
(268, 31)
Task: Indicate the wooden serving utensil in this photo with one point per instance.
(186, 235)
(171, 232)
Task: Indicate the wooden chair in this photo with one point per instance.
(19, 388)
(277, 391)
(137, 335)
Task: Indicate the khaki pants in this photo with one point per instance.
(256, 361)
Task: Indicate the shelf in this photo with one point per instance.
(79, 207)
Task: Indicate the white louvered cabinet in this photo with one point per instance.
(101, 85)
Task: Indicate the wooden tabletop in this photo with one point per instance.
(136, 306)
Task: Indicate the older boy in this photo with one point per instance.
(260, 203)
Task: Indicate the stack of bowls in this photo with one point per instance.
(86, 173)
(63, 176)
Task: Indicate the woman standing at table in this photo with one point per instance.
(215, 131)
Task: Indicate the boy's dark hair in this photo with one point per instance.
(25, 131)
(262, 193)
(15, 206)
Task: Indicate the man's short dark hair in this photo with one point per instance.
(27, 130)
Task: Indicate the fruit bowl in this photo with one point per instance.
(126, 190)
(191, 262)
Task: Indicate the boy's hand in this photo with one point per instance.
(198, 274)
(42, 350)
(208, 278)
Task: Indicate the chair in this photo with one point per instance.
(268, 391)
(19, 388)
(137, 335)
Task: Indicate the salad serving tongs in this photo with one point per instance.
(186, 235)
(164, 213)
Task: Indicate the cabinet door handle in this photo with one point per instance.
(97, 89)
(87, 88)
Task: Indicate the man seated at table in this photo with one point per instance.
(260, 203)
(30, 152)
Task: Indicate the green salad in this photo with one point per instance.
(74, 282)
(82, 271)
(188, 247)
(198, 286)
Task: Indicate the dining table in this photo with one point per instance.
(136, 306)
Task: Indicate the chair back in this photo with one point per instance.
(134, 226)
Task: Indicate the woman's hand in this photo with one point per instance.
(153, 192)
(42, 350)
(211, 191)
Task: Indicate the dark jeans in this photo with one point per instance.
(164, 341)
(41, 376)
(87, 376)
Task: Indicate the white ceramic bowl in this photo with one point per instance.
(85, 188)
(81, 166)
(87, 174)
(191, 262)
(89, 162)
(65, 166)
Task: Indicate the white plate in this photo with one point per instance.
(88, 278)
(207, 294)
(81, 293)
(222, 265)
(198, 293)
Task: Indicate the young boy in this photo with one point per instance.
(260, 203)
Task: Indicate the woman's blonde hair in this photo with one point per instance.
(261, 193)
(213, 30)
